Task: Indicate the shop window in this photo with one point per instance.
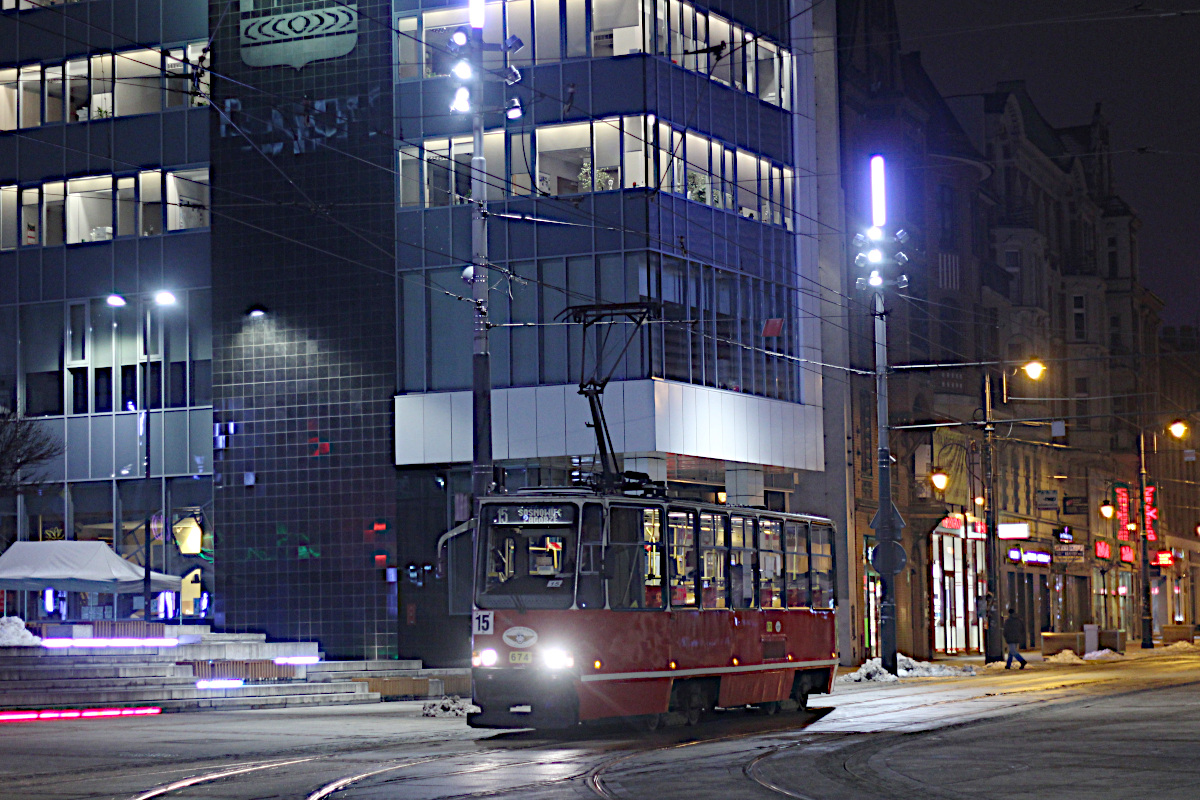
(681, 559)
(89, 210)
(187, 199)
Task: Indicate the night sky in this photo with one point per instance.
(1144, 71)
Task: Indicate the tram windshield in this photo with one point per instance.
(528, 556)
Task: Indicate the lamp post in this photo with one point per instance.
(994, 640)
(876, 255)
(1178, 429)
(160, 299)
(468, 98)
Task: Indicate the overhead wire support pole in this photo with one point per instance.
(993, 641)
(481, 366)
(885, 530)
(1144, 571)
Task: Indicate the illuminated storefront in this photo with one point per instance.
(958, 580)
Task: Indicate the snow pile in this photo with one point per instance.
(453, 706)
(1185, 647)
(1065, 657)
(995, 665)
(873, 671)
(1102, 655)
(14, 633)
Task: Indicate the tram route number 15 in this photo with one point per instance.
(481, 622)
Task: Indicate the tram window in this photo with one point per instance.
(590, 591)
(633, 558)
(795, 554)
(770, 564)
(714, 586)
(821, 539)
(681, 526)
(741, 562)
(528, 557)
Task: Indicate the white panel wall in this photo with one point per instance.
(649, 416)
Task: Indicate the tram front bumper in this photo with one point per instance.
(524, 698)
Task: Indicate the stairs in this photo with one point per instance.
(84, 677)
(77, 677)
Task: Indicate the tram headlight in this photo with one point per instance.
(484, 658)
(557, 658)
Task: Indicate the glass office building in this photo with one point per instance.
(303, 189)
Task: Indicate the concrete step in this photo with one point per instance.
(369, 665)
(284, 701)
(54, 686)
(177, 630)
(68, 672)
(17, 656)
(157, 695)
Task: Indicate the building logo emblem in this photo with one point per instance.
(271, 37)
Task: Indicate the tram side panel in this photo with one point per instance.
(624, 663)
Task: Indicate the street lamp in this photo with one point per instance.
(993, 643)
(161, 298)
(1107, 510)
(939, 479)
(877, 255)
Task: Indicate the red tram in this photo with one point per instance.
(592, 606)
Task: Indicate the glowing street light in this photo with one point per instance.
(1107, 510)
(1178, 428)
(1034, 370)
(939, 479)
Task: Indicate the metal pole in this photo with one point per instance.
(1147, 614)
(885, 532)
(146, 460)
(993, 643)
(481, 367)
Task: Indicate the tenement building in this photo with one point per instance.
(294, 176)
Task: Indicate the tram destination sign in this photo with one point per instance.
(535, 515)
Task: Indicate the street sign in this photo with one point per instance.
(888, 557)
(1075, 505)
(1068, 551)
(1046, 499)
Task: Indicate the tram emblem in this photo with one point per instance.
(326, 30)
(520, 637)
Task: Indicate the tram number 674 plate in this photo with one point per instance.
(519, 657)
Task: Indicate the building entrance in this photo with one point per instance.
(958, 582)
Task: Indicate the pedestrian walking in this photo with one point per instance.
(1014, 637)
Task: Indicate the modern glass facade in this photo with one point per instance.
(104, 189)
(321, 180)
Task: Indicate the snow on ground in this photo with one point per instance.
(1102, 655)
(14, 633)
(453, 706)
(1184, 647)
(1065, 657)
(873, 671)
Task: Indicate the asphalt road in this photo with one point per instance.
(1109, 729)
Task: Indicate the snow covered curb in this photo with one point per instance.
(13, 633)
(908, 668)
(453, 706)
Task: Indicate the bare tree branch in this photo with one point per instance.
(25, 445)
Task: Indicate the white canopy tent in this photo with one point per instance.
(75, 567)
